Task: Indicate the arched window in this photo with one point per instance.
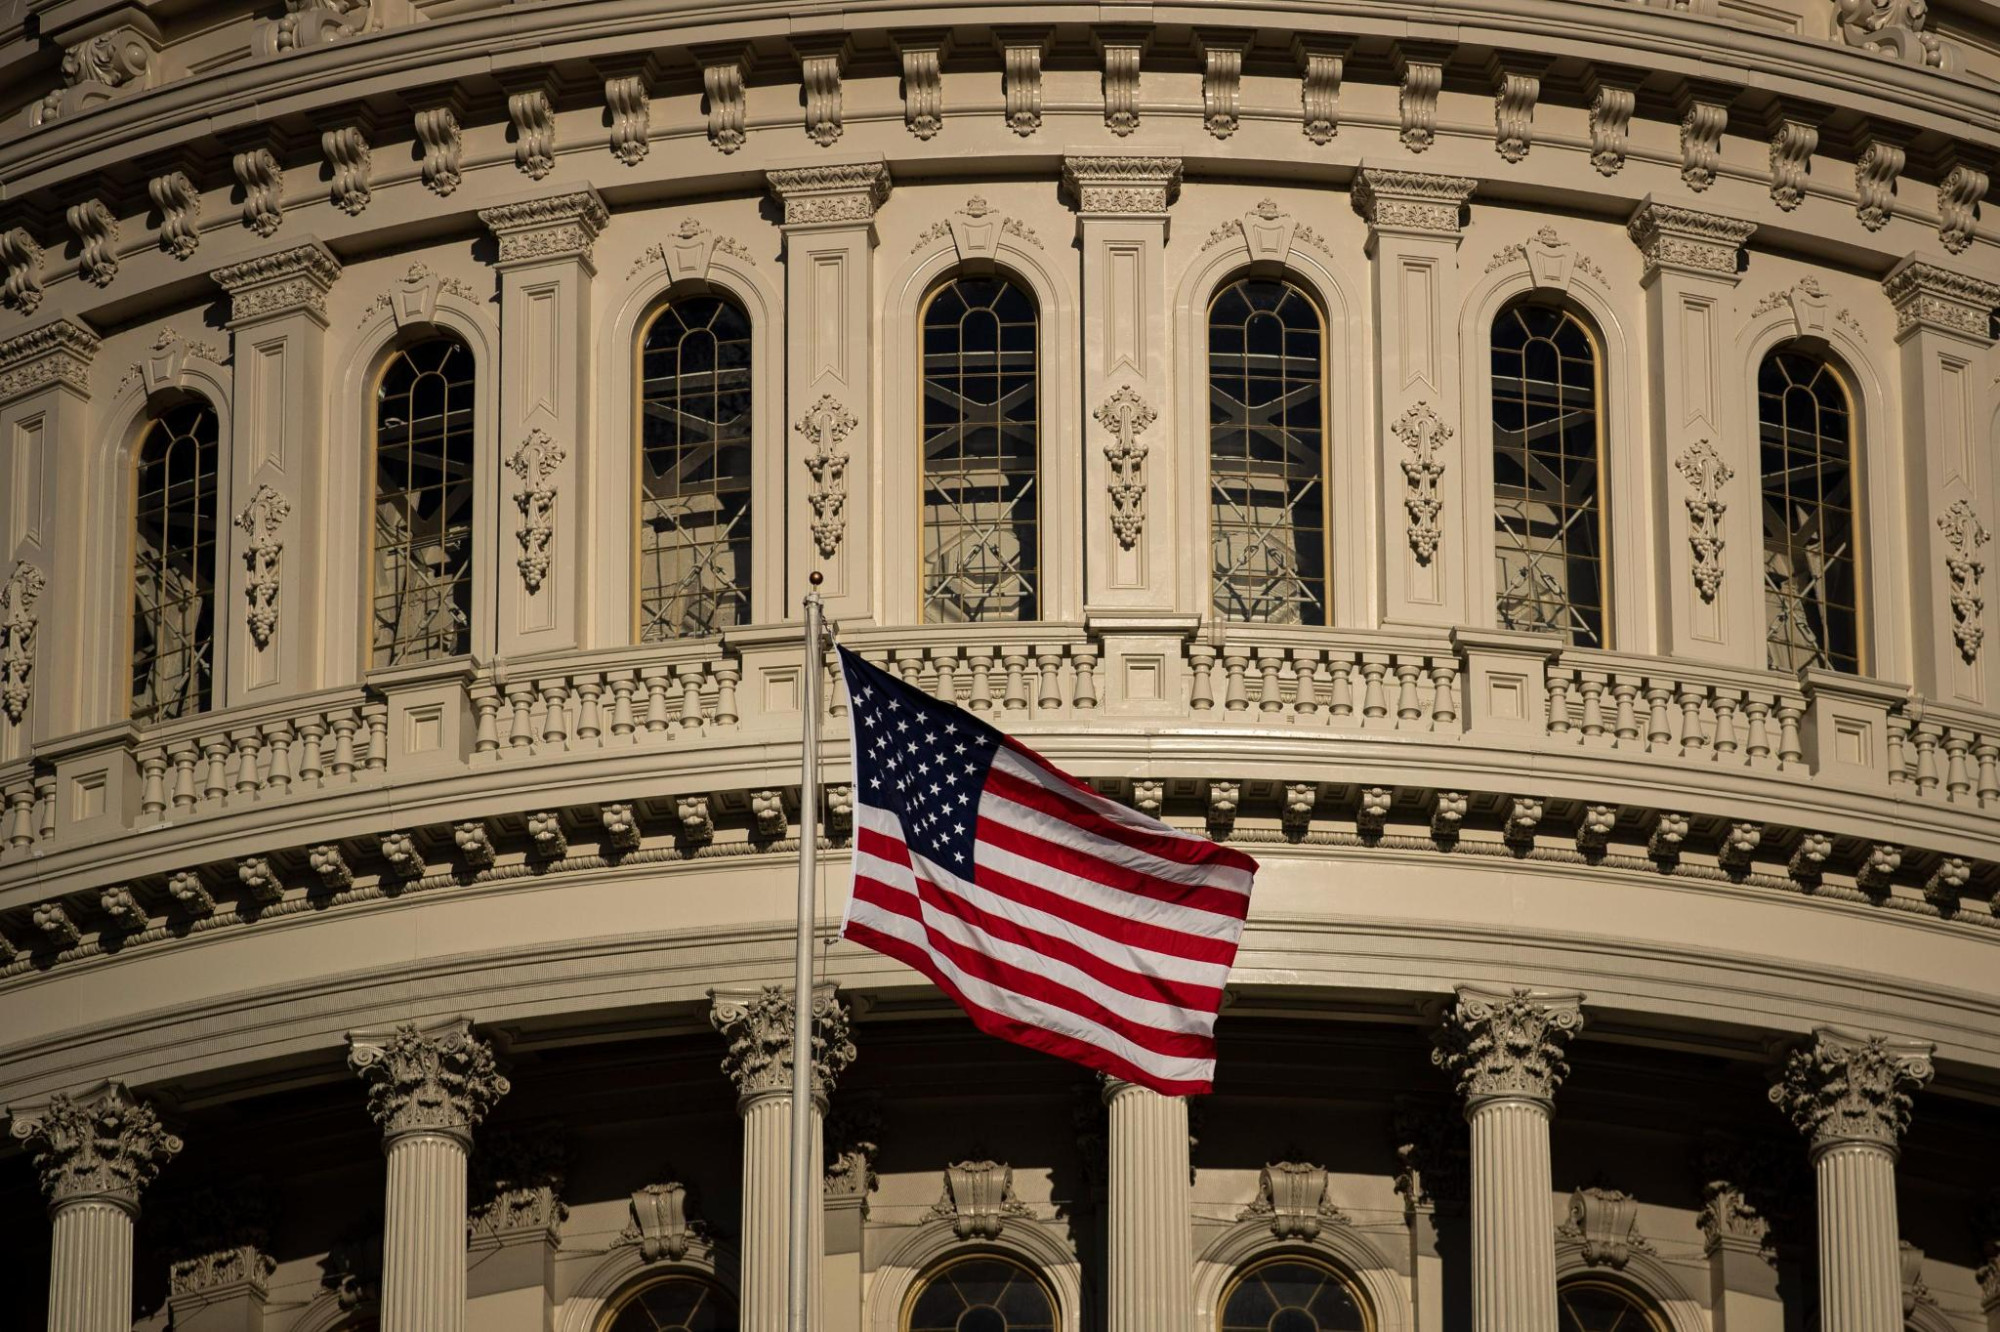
(982, 453)
(424, 502)
(694, 469)
(677, 1302)
(1266, 453)
(1548, 528)
(1290, 1294)
(173, 565)
(1806, 442)
(1586, 1305)
(987, 1293)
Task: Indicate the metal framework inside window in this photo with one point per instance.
(1548, 533)
(981, 453)
(681, 1302)
(987, 1293)
(424, 502)
(1600, 1306)
(1266, 454)
(694, 470)
(1290, 1294)
(173, 565)
(1806, 438)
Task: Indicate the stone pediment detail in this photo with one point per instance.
(687, 252)
(979, 1199)
(1551, 260)
(976, 231)
(666, 1223)
(1605, 1224)
(1291, 1199)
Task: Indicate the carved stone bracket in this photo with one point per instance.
(722, 74)
(666, 1223)
(978, 1199)
(1508, 1045)
(1425, 436)
(1706, 474)
(562, 226)
(1121, 49)
(1702, 123)
(1958, 195)
(1845, 1088)
(922, 55)
(830, 195)
(1682, 240)
(531, 113)
(96, 232)
(825, 427)
(1964, 534)
(295, 279)
(262, 181)
(18, 621)
(1291, 1199)
(348, 159)
(1411, 203)
(1419, 78)
(1126, 416)
(1611, 106)
(103, 1145)
(443, 143)
(1122, 186)
(21, 257)
(1605, 1224)
(822, 61)
(1321, 64)
(1875, 173)
(629, 105)
(261, 520)
(1021, 52)
(179, 205)
(437, 1079)
(758, 1025)
(536, 463)
(1792, 146)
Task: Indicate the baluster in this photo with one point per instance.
(1725, 722)
(981, 661)
(1017, 685)
(727, 672)
(215, 784)
(623, 722)
(1271, 691)
(1789, 753)
(1305, 682)
(186, 756)
(1408, 708)
(21, 805)
(1988, 753)
(45, 805)
(1085, 658)
(521, 726)
(312, 749)
(1897, 756)
(909, 667)
(344, 723)
(1625, 693)
(375, 716)
(1340, 698)
(656, 681)
(589, 712)
(278, 744)
(152, 783)
(1926, 736)
(249, 747)
(1374, 703)
(485, 710)
(1591, 685)
(1758, 747)
(1556, 679)
(1201, 686)
(1444, 694)
(1694, 736)
(1659, 725)
(946, 663)
(1235, 662)
(1957, 778)
(1049, 659)
(689, 674)
(555, 711)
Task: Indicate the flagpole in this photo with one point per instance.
(804, 1171)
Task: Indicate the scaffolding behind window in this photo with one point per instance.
(173, 557)
(694, 494)
(1266, 459)
(1806, 443)
(1548, 535)
(424, 502)
(982, 453)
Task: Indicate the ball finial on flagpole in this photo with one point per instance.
(815, 578)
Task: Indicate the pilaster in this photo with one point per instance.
(1129, 540)
(1150, 1261)
(1943, 336)
(1703, 460)
(271, 578)
(1850, 1095)
(758, 1025)
(515, 1222)
(1435, 526)
(546, 453)
(428, 1088)
(96, 1154)
(1505, 1051)
(44, 409)
(829, 227)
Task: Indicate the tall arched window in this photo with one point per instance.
(1288, 1294)
(1548, 529)
(1266, 453)
(986, 1293)
(1587, 1305)
(982, 453)
(424, 503)
(173, 565)
(677, 1302)
(694, 469)
(1806, 438)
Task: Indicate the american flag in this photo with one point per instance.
(1056, 918)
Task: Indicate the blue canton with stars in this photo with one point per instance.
(921, 760)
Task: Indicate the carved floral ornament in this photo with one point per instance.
(1706, 475)
(1549, 258)
(825, 427)
(536, 463)
(976, 230)
(440, 1080)
(685, 254)
(105, 1145)
(1508, 1045)
(1425, 436)
(1964, 534)
(414, 299)
(759, 1029)
(18, 622)
(1127, 416)
(1849, 1089)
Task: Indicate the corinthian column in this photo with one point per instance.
(427, 1088)
(758, 1024)
(1506, 1052)
(1152, 1268)
(1850, 1096)
(96, 1154)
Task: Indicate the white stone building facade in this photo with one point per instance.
(1524, 473)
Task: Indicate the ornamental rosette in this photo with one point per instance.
(1847, 1089)
(759, 1028)
(1508, 1045)
(443, 1079)
(104, 1144)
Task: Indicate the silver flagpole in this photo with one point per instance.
(804, 1169)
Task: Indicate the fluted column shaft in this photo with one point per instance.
(1860, 1269)
(1513, 1238)
(767, 1248)
(1152, 1268)
(90, 1270)
(423, 1234)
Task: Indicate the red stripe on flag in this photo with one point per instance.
(1197, 897)
(1135, 833)
(1058, 805)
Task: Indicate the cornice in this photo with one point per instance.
(1929, 296)
(554, 227)
(296, 278)
(58, 352)
(1396, 201)
(837, 194)
(1110, 185)
(1677, 239)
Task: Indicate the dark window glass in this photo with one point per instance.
(985, 1294)
(1266, 460)
(424, 501)
(1292, 1295)
(674, 1304)
(1595, 1306)
(694, 461)
(982, 453)
(1548, 532)
(1806, 443)
(173, 575)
